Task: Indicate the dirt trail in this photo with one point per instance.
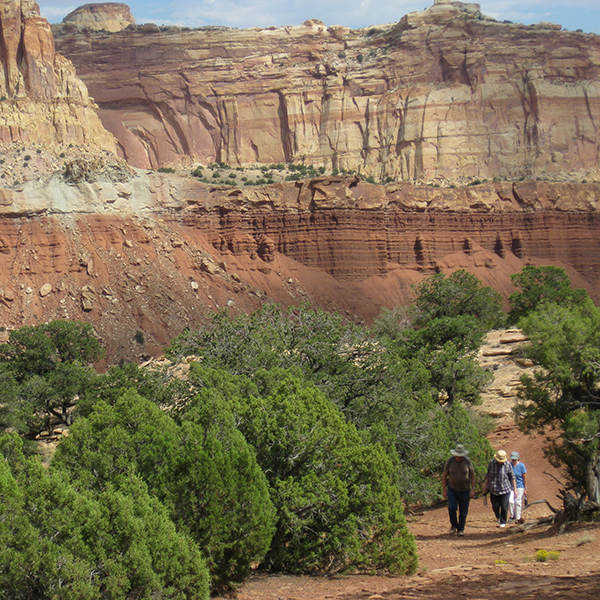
(488, 563)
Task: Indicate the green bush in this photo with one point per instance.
(44, 369)
(335, 491)
(203, 472)
(60, 542)
(537, 285)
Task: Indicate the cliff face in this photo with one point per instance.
(157, 252)
(444, 93)
(41, 99)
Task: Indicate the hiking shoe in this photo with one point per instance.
(521, 521)
(460, 533)
(452, 530)
(502, 525)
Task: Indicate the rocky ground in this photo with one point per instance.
(21, 162)
(488, 563)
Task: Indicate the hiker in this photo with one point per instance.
(499, 482)
(458, 486)
(516, 500)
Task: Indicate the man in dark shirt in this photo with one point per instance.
(500, 481)
(458, 486)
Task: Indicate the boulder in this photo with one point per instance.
(104, 16)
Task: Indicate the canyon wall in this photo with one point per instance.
(445, 93)
(41, 98)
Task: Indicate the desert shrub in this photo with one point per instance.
(60, 542)
(458, 294)
(337, 502)
(537, 285)
(203, 472)
(44, 368)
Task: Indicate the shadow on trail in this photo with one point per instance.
(490, 536)
(502, 586)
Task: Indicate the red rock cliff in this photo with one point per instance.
(444, 93)
(156, 252)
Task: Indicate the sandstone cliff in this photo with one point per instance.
(41, 99)
(443, 93)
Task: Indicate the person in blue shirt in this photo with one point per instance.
(516, 504)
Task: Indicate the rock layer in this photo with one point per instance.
(156, 252)
(444, 93)
(41, 99)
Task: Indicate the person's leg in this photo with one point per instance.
(452, 508)
(495, 500)
(511, 505)
(504, 498)
(463, 509)
(519, 504)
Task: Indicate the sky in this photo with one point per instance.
(571, 14)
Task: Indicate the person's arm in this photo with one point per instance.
(524, 480)
(473, 482)
(513, 479)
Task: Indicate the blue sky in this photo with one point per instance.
(573, 14)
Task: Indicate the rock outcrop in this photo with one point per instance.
(445, 93)
(41, 98)
(105, 16)
(156, 252)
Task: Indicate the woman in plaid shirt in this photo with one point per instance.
(499, 482)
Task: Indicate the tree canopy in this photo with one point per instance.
(565, 392)
(60, 542)
(335, 491)
(538, 285)
(204, 472)
(458, 294)
(45, 368)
